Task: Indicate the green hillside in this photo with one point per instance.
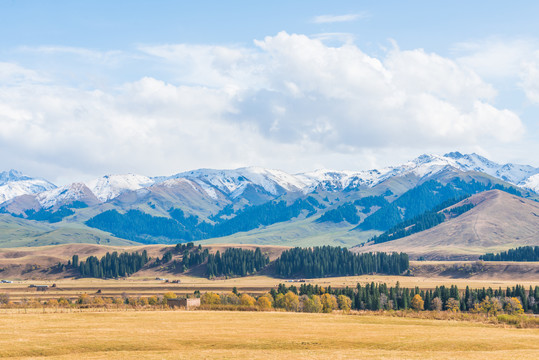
(305, 232)
(16, 232)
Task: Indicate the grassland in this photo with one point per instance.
(247, 335)
(303, 233)
(148, 286)
(16, 232)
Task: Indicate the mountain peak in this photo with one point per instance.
(12, 175)
(454, 155)
(110, 186)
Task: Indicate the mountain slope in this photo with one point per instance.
(498, 221)
(16, 232)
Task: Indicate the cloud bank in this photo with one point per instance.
(290, 101)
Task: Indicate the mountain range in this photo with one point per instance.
(252, 204)
(234, 183)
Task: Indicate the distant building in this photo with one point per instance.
(7, 282)
(184, 303)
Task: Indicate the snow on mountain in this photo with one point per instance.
(13, 183)
(66, 195)
(110, 186)
(333, 180)
(423, 166)
(234, 182)
(511, 173)
(11, 176)
(531, 183)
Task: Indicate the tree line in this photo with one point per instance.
(383, 297)
(523, 253)
(336, 261)
(297, 262)
(111, 265)
(236, 262)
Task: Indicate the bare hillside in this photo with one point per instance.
(498, 221)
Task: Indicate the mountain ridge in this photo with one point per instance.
(269, 183)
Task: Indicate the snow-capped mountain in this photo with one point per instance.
(13, 183)
(259, 184)
(66, 195)
(333, 180)
(511, 173)
(531, 183)
(423, 166)
(234, 182)
(110, 186)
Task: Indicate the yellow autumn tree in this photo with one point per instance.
(513, 306)
(313, 304)
(291, 301)
(329, 303)
(210, 298)
(279, 301)
(247, 300)
(345, 303)
(418, 303)
(452, 305)
(263, 302)
(169, 295)
(488, 306)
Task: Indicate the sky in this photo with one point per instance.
(160, 87)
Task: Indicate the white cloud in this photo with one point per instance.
(511, 62)
(495, 58)
(345, 98)
(327, 19)
(13, 74)
(290, 102)
(529, 78)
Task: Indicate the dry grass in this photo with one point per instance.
(137, 286)
(201, 334)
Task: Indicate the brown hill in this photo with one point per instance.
(499, 221)
(39, 262)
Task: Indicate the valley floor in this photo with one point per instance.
(148, 286)
(248, 335)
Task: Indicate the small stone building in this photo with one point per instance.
(184, 303)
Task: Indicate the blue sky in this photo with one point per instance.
(156, 87)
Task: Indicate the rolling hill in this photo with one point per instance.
(498, 221)
(17, 232)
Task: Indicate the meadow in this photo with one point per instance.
(254, 335)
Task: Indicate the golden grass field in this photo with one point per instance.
(254, 335)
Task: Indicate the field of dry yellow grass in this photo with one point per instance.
(140, 286)
(254, 335)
